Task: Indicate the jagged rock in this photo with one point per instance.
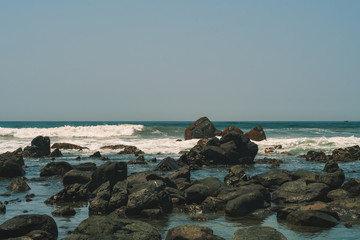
(183, 172)
(76, 176)
(11, 165)
(56, 153)
(138, 160)
(113, 227)
(71, 193)
(256, 134)
(55, 169)
(201, 128)
(191, 232)
(109, 171)
(231, 128)
(40, 147)
(258, 232)
(236, 174)
(67, 146)
(300, 191)
(18, 185)
(319, 156)
(66, 211)
(346, 155)
(24, 224)
(96, 155)
(167, 164)
(233, 148)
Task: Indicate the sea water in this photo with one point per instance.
(160, 140)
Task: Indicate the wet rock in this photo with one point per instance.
(236, 175)
(230, 129)
(131, 150)
(319, 156)
(331, 167)
(138, 160)
(258, 232)
(11, 165)
(18, 185)
(232, 149)
(88, 166)
(191, 232)
(76, 176)
(24, 224)
(71, 193)
(256, 134)
(153, 160)
(346, 155)
(55, 153)
(99, 204)
(201, 128)
(109, 171)
(244, 204)
(273, 178)
(55, 169)
(269, 150)
(300, 191)
(183, 172)
(348, 209)
(338, 194)
(66, 211)
(96, 155)
(2, 208)
(352, 186)
(113, 227)
(167, 164)
(67, 146)
(114, 147)
(119, 195)
(40, 147)
(311, 218)
(202, 218)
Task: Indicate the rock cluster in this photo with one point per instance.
(348, 154)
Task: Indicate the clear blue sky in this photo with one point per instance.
(179, 60)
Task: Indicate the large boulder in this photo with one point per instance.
(191, 232)
(256, 134)
(233, 148)
(300, 191)
(245, 204)
(55, 169)
(76, 176)
(348, 209)
(11, 165)
(67, 146)
(23, 225)
(258, 232)
(40, 147)
(311, 218)
(231, 128)
(201, 128)
(110, 171)
(113, 226)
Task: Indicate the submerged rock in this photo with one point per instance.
(18, 185)
(66, 211)
(11, 165)
(201, 128)
(258, 232)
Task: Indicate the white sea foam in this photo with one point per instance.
(99, 131)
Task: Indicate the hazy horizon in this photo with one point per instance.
(179, 61)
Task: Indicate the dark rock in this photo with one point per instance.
(23, 224)
(256, 134)
(352, 186)
(88, 166)
(258, 232)
(183, 172)
(273, 178)
(244, 204)
(113, 227)
(96, 155)
(319, 156)
(99, 204)
(18, 185)
(273, 161)
(138, 160)
(201, 128)
(202, 218)
(119, 195)
(269, 150)
(338, 194)
(236, 174)
(76, 176)
(131, 150)
(2, 208)
(230, 129)
(152, 160)
(109, 171)
(346, 155)
(347, 208)
(56, 153)
(55, 169)
(114, 147)
(105, 159)
(152, 213)
(11, 165)
(40, 147)
(331, 167)
(71, 193)
(67, 146)
(233, 148)
(300, 191)
(167, 164)
(191, 232)
(30, 195)
(66, 211)
(37, 235)
(311, 218)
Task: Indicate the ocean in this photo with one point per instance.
(161, 139)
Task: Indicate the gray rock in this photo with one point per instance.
(191, 232)
(18, 185)
(257, 233)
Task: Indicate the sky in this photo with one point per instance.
(180, 60)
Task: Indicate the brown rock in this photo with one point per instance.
(256, 134)
(67, 146)
(231, 128)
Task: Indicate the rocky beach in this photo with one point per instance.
(180, 180)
